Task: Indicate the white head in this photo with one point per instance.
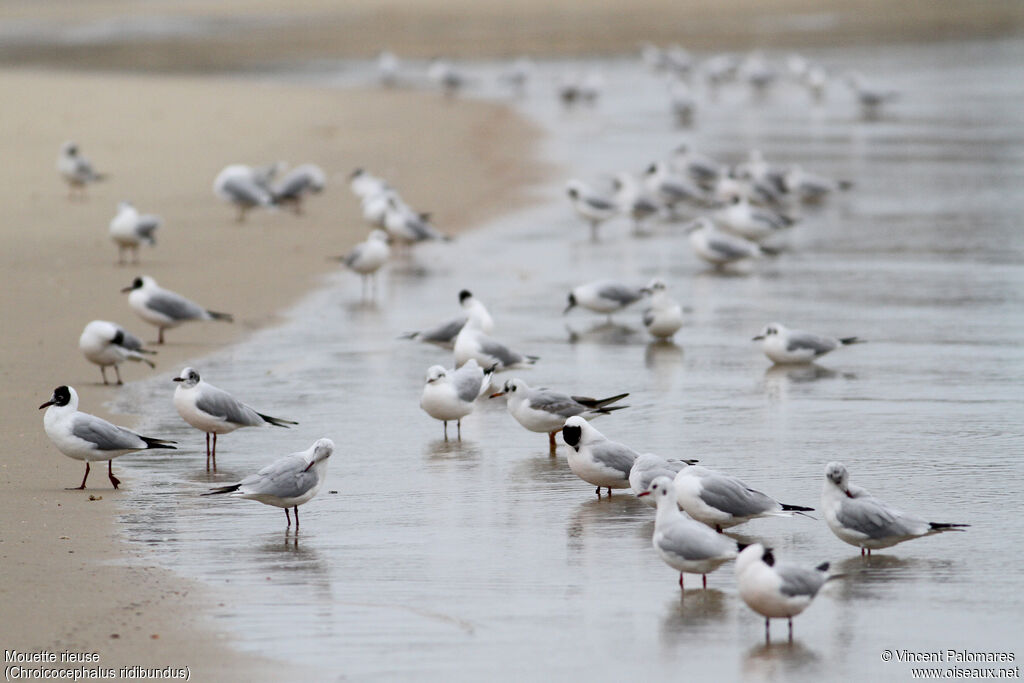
(515, 389)
(379, 235)
(188, 378)
(63, 398)
(770, 330)
(320, 451)
(836, 473)
(436, 373)
(662, 489)
(655, 286)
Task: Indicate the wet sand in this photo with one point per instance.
(162, 142)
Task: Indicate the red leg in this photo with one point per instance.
(551, 442)
(110, 473)
(680, 581)
(288, 516)
(791, 629)
(207, 451)
(213, 452)
(79, 488)
(296, 517)
(704, 578)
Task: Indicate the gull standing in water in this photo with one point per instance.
(82, 436)
(633, 201)
(215, 411)
(237, 184)
(129, 229)
(648, 467)
(445, 333)
(451, 394)
(590, 206)
(753, 223)
(366, 258)
(664, 316)
(718, 248)
(288, 482)
(685, 545)
(722, 501)
(545, 411)
(776, 590)
(105, 343)
(165, 309)
(785, 346)
(76, 170)
(472, 342)
(302, 180)
(860, 519)
(595, 459)
(603, 296)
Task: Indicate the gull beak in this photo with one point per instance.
(125, 290)
(47, 404)
(497, 394)
(178, 379)
(568, 308)
(758, 338)
(645, 493)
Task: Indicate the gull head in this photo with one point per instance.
(655, 285)
(572, 432)
(434, 373)
(69, 148)
(770, 330)
(572, 303)
(464, 295)
(836, 473)
(511, 388)
(661, 487)
(751, 554)
(322, 449)
(188, 378)
(139, 283)
(62, 396)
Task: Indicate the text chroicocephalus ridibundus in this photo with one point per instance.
(591, 206)
(776, 590)
(166, 309)
(238, 185)
(545, 411)
(473, 342)
(76, 170)
(288, 482)
(664, 316)
(366, 258)
(129, 229)
(445, 333)
(603, 296)
(860, 519)
(684, 544)
(215, 411)
(451, 394)
(648, 467)
(82, 436)
(105, 343)
(302, 180)
(722, 501)
(594, 458)
(785, 346)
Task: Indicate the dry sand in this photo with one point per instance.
(66, 583)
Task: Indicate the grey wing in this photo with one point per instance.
(467, 380)
(555, 403)
(293, 184)
(174, 306)
(648, 316)
(804, 340)
(146, 225)
(128, 340)
(693, 545)
(729, 248)
(732, 495)
(615, 455)
(355, 254)
(106, 436)
(446, 332)
(220, 403)
(797, 581)
(875, 519)
(284, 478)
(600, 203)
(245, 191)
(670, 471)
(621, 294)
(504, 355)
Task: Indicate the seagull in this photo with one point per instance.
(297, 183)
(375, 206)
(718, 248)
(387, 69)
(82, 436)
(451, 394)
(784, 346)
(648, 467)
(810, 187)
(165, 309)
(871, 97)
(76, 170)
(287, 482)
(215, 411)
(664, 316)
(703, 169)
(445, 333)
(603, 296)
(238, 185)
(633, 201)
(129, 229)
(682, 103)
(776, 590)
(406, 226)
(750, 222)
(722, 501)
(473, 342)
(105, 343)
(685, 545)
(594, 458)
(366, 258)
(591, 206)
(364, 184)
(543, 410)
(671, 188)
(447, 77)
(516, 75)
(860, 519)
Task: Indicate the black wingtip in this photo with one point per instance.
(222, 489)
(796, 508)
(846, 341)
(158, 443)
(226, 317)
(823, 567)
(277, 421)
(944, 526)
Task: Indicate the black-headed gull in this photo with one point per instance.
(590, 206)
(215, 411)
(722, 501)
(366, 258)
(664, 316)
(108, 344)
(286, 483)
(603, 296)
(860, 519)
(447, 76)
(776, 590)
(302, 180)
(754, 223)
(810, 187)
(237, 184)
(473, 342)
(545, 411)
(684, 544)
(76, 170)
(166, 309)
(633, 200)
(451, 394)
(82, 436)
(129, 229)
(718, 248)
(594, 458)
(785, 346)
(648, 467)
(445, 333)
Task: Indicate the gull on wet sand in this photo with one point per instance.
(287, 482)
(82, 436)
(718, 248)
(595, 459)
(214, 411)
(722, 501)
(129, 229)
(684, 544)
(296, 184)
(545, 411)
(108, 344)
(238, 184)
(603, 296)
(858, 518)
(76, 170)
(366, 258)
(472, 342)
(784, 346)
(776, 590)
(664, 316)
(451, 394)
(445, 333)
(590, 206)
(166, 309)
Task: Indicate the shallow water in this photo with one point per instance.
(488, 558)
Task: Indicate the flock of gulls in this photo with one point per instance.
(734, 214)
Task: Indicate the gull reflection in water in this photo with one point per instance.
(779, 661)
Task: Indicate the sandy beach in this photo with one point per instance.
(162, 142)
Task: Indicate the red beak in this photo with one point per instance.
(645, 493)
(497, 394)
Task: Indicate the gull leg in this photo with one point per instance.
(767, 631)
(446, 430)
(862, 551)
(297, 520)
(117, 371)
(704, 578)
(110, 473)
(207, 451)
(213, 452)
(551, 442)
(718, 528)
(160, 336)
(593, 230)
(82, 486)
(103, 371)
(791, 629)
(288, 516)
(598, 491)
(458, 426)
(681, 581)
(240, 218)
